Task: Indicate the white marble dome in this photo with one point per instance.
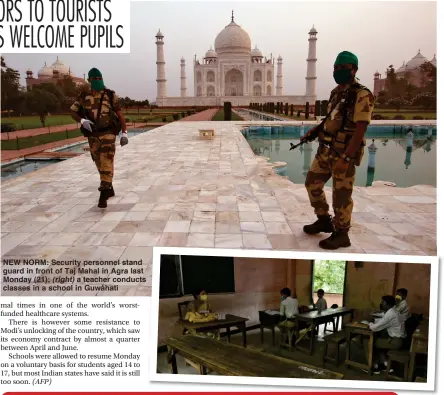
(401, 69)
(233, 39)
(416, 61)
(211, 53)
(256, 52)
(45, 72)
(433, 61)
(60, 67)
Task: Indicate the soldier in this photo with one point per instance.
(101, 119)
(341, 147)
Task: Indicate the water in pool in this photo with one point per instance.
(394, 160)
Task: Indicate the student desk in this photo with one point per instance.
(314, 318)
(269, 321)
(231, 360)
(420, 345)
(356, 328)
(229, 322)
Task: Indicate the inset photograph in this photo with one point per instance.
(295, 318)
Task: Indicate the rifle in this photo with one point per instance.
(311, 137)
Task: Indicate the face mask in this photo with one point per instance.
(397, 297)
(203, 298)
(342, 76)
(97, 85)
(282, 297)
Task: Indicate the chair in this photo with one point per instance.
(182, 307)
(334, 321)
(287, 333)
(403, 356)
(335, 339)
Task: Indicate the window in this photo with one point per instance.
(185, 274)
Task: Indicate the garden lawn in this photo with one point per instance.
(390, 114)
(33, 121)
(219, 116)
(33, 141)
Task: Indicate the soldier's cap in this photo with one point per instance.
(346, 57)
(94, 73)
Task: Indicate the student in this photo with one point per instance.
(200, 303)
(401, 304)
(389, 334)
(289, 305)
(321, 304)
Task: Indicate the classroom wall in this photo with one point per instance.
(257, 283)
(366, 284)
(416, 279)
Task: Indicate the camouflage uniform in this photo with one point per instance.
(360, 103)
(102, 143)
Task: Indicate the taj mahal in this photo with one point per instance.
(234, 71)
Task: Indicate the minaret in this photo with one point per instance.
(279, 85)
(161, 79)
(183, 79)
(311, 63)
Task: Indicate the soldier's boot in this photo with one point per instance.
(323, 224)
(112, 194)
(105, 194)
(338, 239)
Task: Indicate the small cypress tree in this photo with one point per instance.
(286, 108)
(317, 108)
(291, 110)
(227, 111)
(307, 110)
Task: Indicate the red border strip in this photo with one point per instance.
(200, 393)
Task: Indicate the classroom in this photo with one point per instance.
(293, 318)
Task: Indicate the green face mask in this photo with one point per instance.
(97, 85)
(342, 76)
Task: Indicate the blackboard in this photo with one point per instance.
(214, 274)
(169, 276)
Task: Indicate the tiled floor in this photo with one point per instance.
(173, 189)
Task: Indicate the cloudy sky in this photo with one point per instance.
(379, 33)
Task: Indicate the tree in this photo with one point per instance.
(329, 276)
(41, 102)
(429, 77)
(397, 102)
(11, 93)
(425, 100)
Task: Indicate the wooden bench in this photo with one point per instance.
(335, 339)
(206, 134)
(232, 360)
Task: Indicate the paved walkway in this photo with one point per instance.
(206, 115)
(173, 189)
